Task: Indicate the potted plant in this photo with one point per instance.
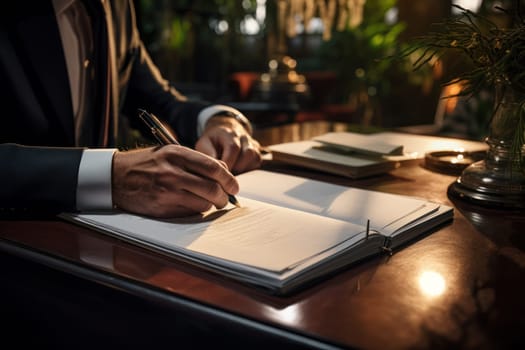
(496, 61)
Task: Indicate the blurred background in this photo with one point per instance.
(282, 61)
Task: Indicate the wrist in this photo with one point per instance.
(239, 117)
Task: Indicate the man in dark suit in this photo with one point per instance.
(69, 70)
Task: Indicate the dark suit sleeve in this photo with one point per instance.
(23, 169)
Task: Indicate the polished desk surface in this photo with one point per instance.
(462, 286)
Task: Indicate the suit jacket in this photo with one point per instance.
(36, 102)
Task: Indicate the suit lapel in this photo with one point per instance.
(107, 83)
(111, 108)
(40, 38)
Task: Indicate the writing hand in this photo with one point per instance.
(170, 181)
(226, 139)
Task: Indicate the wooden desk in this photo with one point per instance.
(459, 287)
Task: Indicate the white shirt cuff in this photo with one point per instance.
(94, 180)
(209, 112)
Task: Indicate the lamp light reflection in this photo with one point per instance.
(459, 158)
(432, 284)
(290, 314)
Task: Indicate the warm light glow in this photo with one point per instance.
(452, 102)
(301, 88)
(339, 14)
(459, 158)
(291, 314)
(250, 26)
(448, 101)
(472, 5)
(222, 27)
(432, 284)
(265, 78)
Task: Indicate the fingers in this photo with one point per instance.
(221, 143)
(238, 150)
(170, 181)
(198, 167)
(176, 181)
(249, 157)
(208, 180)
(205, 145)
(231, 149)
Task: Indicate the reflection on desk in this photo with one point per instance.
(461, 287)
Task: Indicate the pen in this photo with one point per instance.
(165, 137)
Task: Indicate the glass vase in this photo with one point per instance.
(499, 179)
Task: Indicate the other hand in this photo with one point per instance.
(170, 181)
(226, 139)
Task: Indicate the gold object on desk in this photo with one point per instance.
(451, 162)
(476, 261)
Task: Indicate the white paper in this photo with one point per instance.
(257, 234)
(360, 143)
(279, 246)
(311, 150)
(413, 146)
(387, 212)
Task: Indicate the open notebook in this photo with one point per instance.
(289, 232)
